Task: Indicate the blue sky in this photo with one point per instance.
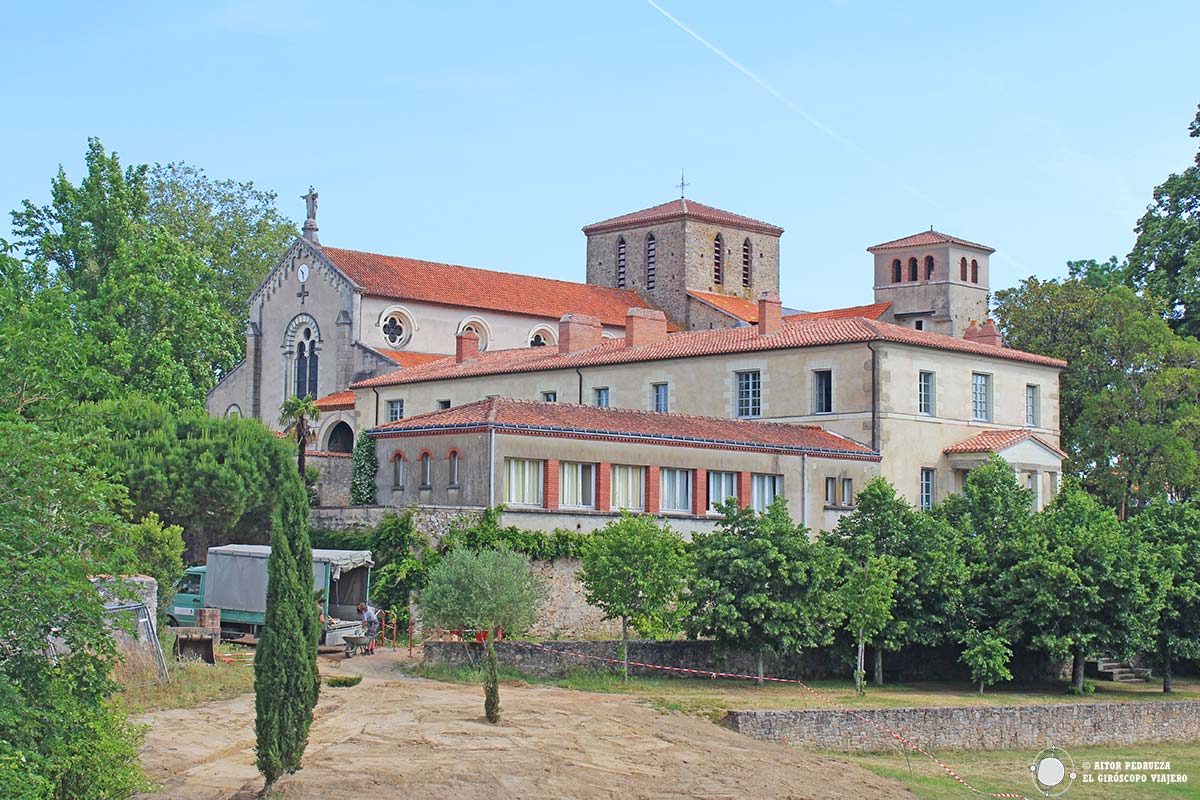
(488, 134)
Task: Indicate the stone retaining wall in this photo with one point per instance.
(700, 655)
(978, 728)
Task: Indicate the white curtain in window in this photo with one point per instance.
(628, 487)
(575, 484)
(523, 481)
(763, 489)
(676, 490)
(721, 487)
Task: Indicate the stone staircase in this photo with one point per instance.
(1106, 668)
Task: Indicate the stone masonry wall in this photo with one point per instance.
(700, 655)
(978, 728)
(333, 487)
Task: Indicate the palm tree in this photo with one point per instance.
(295, 415)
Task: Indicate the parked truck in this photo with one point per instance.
(235, 581)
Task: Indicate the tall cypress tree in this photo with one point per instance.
(286, 682)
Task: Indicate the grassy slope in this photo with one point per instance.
(192, 683)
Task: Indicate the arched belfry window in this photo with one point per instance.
(651, 265)
(718, 259)
(897, 271)
(621, 263)
(912, 269)
(962, 270)
(974, 271)
(928, 268)
(747, 261)
(306, 364)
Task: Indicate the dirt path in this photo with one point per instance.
(392, 737)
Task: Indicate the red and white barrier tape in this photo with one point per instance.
(714, 675)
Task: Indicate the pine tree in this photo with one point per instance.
(364, 469)
(286, 682)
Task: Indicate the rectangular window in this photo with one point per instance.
(628, 486)
(823, 391)
(443, 405)
(1033, 410)
(661, 398)
(749, 394)
(831, 491)
(522, 482)
(576, 485)
(721, 487)
(550, 397)
(981, 397)
(847, 492)
(928, 482)
(764, 489)
(676, 490)
(600, 397)
(1035, 488)
(395, 410)
(926, 393)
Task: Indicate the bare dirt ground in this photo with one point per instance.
(395, 737)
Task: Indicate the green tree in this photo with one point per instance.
(866, 595)
(987, 655)
(296, 415)
(286, 683)
(61, 736)
(923, 552)
(364, 471)
(1172, 532)
(759, 584)
(233, 225)
(404, 558)
(634, 570)
(1082, 583)
(485, 590)
(158, 552)
(1165, 260)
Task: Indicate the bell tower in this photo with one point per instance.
(934, 281)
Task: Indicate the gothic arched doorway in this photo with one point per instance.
(341, 439)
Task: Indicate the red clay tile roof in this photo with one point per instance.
(736, 307)
(448, 284)
(679, 209)
(336, 401)
(928, 239)
(699, 343)
(517, 415)
(997, 440)
(872, 311)
(406, 358)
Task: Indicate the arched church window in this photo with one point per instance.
(341, 439)
(974, 271)
(912, 269)
(962, 269)
(426, 470)
(233, 411)
(476, 326)
(621, 263)
(651, 266)
(897, 271)
(718, 259)
(396, 330)
(928, 268)
(747, 261)
(306, 365)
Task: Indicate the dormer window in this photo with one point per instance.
(747, 261)
(718, 259)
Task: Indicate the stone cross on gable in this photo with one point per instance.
(310, 222)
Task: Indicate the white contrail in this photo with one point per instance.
(787, 101)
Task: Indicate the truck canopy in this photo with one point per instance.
(237, 574)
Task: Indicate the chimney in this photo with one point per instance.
(971, 334)
(770, 314)
(577, 332)
(466, 347)
(989, 335)
(644, 326)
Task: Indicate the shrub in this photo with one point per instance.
(343, 681)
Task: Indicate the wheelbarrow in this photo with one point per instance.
(363, 645)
